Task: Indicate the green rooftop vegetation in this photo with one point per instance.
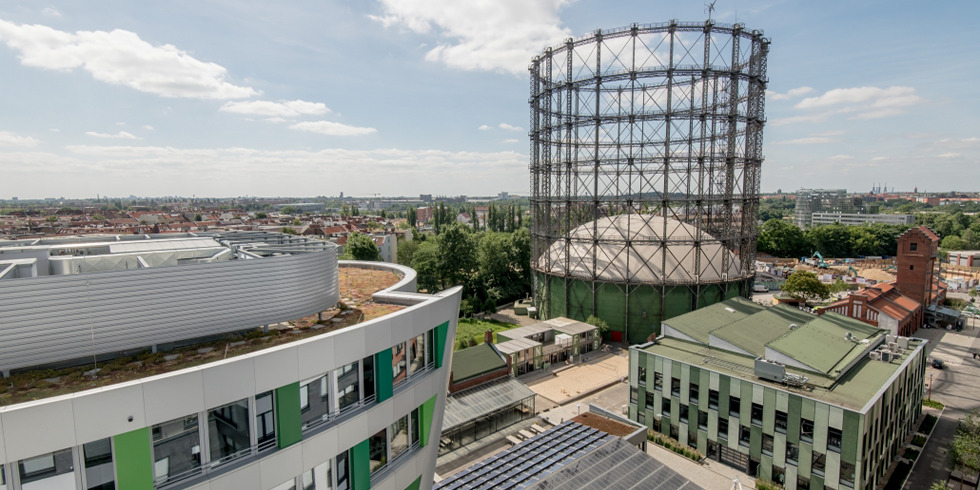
(469, 331)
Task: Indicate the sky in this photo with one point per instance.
(225, 98)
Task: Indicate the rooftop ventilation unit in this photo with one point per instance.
(875, 355)
(793, 326)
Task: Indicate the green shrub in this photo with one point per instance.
(911, 454)
(673, 445)
(919, 440)
(761, 484)
(933, 404)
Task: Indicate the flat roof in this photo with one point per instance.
(852, 391)
(358, 286)
(753, 332)
(516, 345)
(522, 332)
(823, 344)
(569, 326)
(473, 403)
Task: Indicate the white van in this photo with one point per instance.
(759, 288)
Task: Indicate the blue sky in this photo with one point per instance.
(402, 97)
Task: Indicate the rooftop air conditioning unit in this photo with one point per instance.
(886, 356)
(875, 355)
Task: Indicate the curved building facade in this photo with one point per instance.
(355, 407)
(646, 150)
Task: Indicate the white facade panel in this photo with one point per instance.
(106, 411)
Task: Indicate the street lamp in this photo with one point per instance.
(930, 385)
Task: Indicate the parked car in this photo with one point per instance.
(937, 363)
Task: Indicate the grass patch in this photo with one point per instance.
(927, 424)
(933, 403)
(471, 330)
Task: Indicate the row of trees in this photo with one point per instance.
(492, 267)
(781, 238)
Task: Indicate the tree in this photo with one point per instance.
(412, 217)
(261, 215)
(456, 257)
(425, 261)
(782, 239)
(288, 210)
(963, 452)
(406, 251)
(197, 217)
(361, 247)
(599, 323)
(805, 285)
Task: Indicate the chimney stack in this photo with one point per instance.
(488, 336)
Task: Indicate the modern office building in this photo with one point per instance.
(809, 201)
(860, 219)
(175, 394)
(810, 402)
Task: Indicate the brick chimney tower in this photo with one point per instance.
(918, 250)
(488, 336)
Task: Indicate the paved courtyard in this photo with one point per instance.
(564, 384)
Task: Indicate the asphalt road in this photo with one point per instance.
(958, 387)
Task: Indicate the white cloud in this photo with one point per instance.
(10, 139)
(508, 127)
(483, 127)
(511, 141)
(148, 127)
(497, 36)
(331, 128)
(874, 96)
(842, 157)
(120, 57)
(796, 92)
(282, 109)
(50, 12)
(950, 155)
(810, 140)
(122, 135)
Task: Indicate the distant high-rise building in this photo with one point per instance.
(809, 201)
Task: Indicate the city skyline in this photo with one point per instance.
(402, 98)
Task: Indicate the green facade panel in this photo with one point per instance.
(427, 410)
(793, 424)
(384, 376)
(415, 484)
(851, 436)
(769, 411)
(755, 443)
(133, 456)
(442, 331)
(289, 425)
(724, 382)
(360, 466)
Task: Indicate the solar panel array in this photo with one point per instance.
(571, 455)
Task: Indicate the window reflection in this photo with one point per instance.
(228, 431)
(176, 448)
(348, 386)
(48, 471)
(98, 465)
(398, 437)
(317, 406)
(398, 364)
(265, 419)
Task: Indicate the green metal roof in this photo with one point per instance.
(853, 391)
(475, 361)
(698, 324)
(822, 343)
(753, 332)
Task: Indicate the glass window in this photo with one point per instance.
(683, 414)
(734, 406)
(781, 422)
(49, 471)
(833, 439)
(416, 354)
(398, 434)
(348, 384)
(176, 448)
(430, 347)
(650, 399)
(99, 473)
(692, 439)
(756, 414)
(398, 364)
(368, 377)
(744, 435)
(641, 375)
(265, 419)
(3, 478)
(692, 394)
(306, 480)
(913, 247)
(675, 387)
(847, 473)
(633, 395)
(723, 428)
(658, 381)
(317, 407)
(343, 471)
(416, 432)
(378, 450)
(228, 434)
(665, 406)
(766, 444)
(819, 463)
(703, 420)
(806, 430)
(792, 453)
(713, 399)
